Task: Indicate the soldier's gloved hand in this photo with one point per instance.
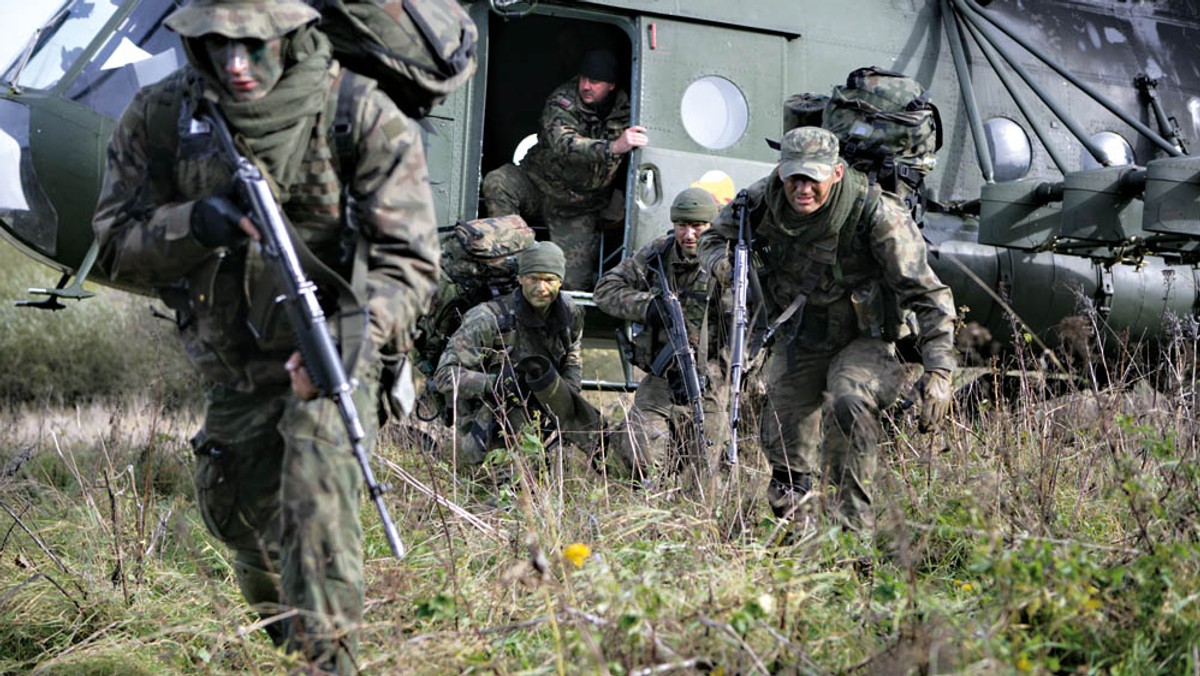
(537, 371)
(216, 221)
(935, 399)
(656, 313)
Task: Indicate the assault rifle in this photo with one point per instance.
(679, 351)
(741, 324)
(321, 357)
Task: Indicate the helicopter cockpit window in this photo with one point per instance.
(1009, 145)
(714, 112)
(61, 40)
(1116, 149)
(140, 52)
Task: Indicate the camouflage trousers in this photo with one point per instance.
(659, 435)
(277, 482)
(821, 415)
(508, 190)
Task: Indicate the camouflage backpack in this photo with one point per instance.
(419, 51)
(479, 263)
(888, 129)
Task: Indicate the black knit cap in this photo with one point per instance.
(599, 65)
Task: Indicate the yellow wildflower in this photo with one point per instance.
(576, 552)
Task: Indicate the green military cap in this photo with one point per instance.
(542, 258)
(694, 205)
(808, 151)
(241, 19)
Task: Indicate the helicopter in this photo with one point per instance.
(1064, 174)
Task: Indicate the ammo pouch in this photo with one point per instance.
(209, 314)
(268, 319)
(879, 314)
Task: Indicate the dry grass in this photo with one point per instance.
(1051, 527)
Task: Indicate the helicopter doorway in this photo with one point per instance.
(527, 58)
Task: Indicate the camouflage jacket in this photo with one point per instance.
(161, 159)
(504, 331)
(878, 250)
(625, 292)
(572, 163)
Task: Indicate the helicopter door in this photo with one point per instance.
(710, 95)
(453, 148)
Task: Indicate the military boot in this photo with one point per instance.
(787, 493)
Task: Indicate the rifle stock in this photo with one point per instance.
(321, 357)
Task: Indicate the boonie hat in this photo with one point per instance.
(542, 258)
(808, 151)
(241, 19)
(694, 205)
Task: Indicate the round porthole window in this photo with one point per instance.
(714, 112)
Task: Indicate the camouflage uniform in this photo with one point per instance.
(829, 356)
(643, 444)
(566, 179)
(476, 371)
(275, 477)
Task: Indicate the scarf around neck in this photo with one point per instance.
(275, 129)
(824, 222)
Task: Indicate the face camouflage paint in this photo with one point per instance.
(247, 69)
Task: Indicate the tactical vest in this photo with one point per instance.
(518, 341)
(861, 304)
(225, 309)
(693, 293)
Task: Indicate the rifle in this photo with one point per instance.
(741, 325)
(321, 357)
(679, 351)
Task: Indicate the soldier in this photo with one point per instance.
(632, 291)
(275, 478)
(525, 343)
(566, 179)
(822, 232)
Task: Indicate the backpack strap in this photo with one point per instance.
(344, 150)
(868, 202)
(341, 131)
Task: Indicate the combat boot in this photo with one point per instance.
(787, 493)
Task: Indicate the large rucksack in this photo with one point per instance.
(886, 124)
(479, 263)
(419, 51)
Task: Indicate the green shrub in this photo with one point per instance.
(102, 347)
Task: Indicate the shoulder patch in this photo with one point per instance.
(394, 128)
(563, 102)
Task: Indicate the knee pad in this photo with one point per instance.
(847, 410)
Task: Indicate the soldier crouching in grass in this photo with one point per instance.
(516, 360)
(844, 262)
(275, 477)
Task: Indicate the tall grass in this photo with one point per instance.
(1051, 527)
